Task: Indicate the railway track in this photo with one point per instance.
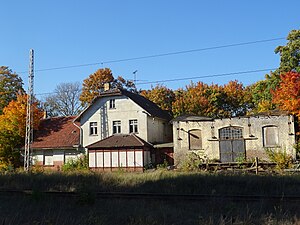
(157, 196)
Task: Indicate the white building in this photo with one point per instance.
(119, 111)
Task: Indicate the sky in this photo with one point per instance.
(73, 38)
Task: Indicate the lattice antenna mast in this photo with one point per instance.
(29, 114)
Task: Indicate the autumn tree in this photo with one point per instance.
(65, 100)
(94, 84)
(216, 101)
(287, 94)
(237, 99)
(12, 128)
(160, 95)
(10, 85)
(198, 99)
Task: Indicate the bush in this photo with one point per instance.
(80, 163)
(280, 157)
(192, 162)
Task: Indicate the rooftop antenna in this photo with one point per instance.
(29, 113)
(134, 76)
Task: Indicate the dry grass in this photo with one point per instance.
(86, 209)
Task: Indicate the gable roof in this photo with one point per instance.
(56, 133)
(140, 100)
(119, 141)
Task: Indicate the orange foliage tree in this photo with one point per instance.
(216, 101)
(94, 84)
(12, 128)
(287, 94)
(160, 95)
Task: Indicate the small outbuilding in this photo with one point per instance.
(56, 142)
(233, 139)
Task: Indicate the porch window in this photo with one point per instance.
(116, 127)
(270, 136)
(195, 139)
(93, 128)
(133, 126)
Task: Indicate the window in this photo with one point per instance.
(93, 128)
(195, 139)
(48, 158)
(116, 127)
(231, 133)
(112, 104)
(133, 126)
(270, 136)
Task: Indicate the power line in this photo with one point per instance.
(208, 76)
(193, 78)
(157, 55)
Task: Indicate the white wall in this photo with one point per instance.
(117, 159)
(125, 109)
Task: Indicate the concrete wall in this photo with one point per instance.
(252, 128)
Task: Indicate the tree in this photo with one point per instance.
(94, 84)
(65, 101)
(197, 99)
(12, 128)
(160, 95)
(10, 85)
(287, 94)
(237, 99)
(290, 53)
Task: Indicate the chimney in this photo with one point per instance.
(45, 115)
(106, 86)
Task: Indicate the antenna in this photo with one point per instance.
(29, 113)
(134, 76)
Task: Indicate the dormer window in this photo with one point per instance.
(112, 104)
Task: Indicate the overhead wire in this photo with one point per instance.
(157, 55)
(195, 77)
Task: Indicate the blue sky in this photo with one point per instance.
(72, 32)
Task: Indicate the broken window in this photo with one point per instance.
(195, 139)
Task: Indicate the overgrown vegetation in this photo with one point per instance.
(280, 157)
(77, 164)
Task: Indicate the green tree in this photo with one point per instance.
(10, 85)
(290, 54)
(289, 61)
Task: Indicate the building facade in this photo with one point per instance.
(230, 139)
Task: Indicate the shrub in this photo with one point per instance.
(280, 157)
(80, 163)
(192, 162)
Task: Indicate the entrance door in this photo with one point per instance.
(232, 144)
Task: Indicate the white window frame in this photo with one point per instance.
(133, 126)
(93, 128)
(116, 127)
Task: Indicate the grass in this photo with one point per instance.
(39, 208)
